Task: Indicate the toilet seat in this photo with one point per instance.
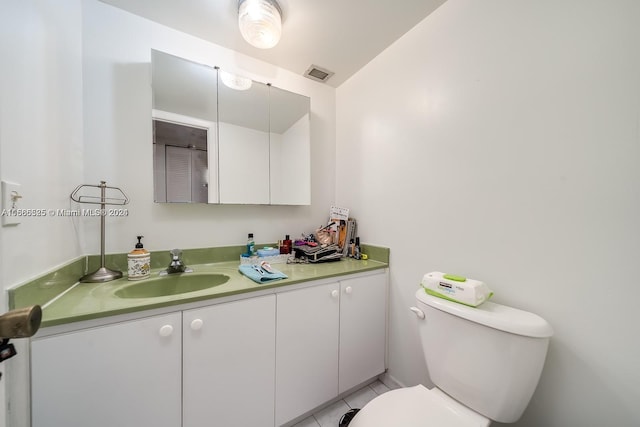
(417, 407)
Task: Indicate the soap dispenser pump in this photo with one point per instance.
(139, 262)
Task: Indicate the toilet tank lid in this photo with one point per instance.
(494, 315)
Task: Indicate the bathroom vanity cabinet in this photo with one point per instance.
(257, 361)
(214, 361)
(229, 363)
(363, 303)
(330, 338)
(307, 345)
(127, 374)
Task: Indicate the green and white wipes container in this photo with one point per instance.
(456, 288)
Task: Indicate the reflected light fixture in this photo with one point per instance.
(260, 22)
(234, 81)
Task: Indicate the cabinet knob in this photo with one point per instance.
(418, 312)
(335, 293)
(348, 290)
(166, 330)
(196, 324)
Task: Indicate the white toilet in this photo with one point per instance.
(485, 363)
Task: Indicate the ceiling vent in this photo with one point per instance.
(318, 74)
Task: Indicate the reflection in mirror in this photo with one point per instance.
(290, 150)
(180, 159)
(243, 126)
(184, 130)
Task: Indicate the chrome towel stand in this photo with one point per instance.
(103, 274)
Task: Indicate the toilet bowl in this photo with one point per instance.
(485, 363)
(417, 407)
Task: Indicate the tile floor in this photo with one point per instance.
(330, 416)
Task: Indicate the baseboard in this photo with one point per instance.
(390, 381)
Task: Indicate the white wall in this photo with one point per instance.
(117, 135)
(40, 130)
(40, 143)
(500, 140)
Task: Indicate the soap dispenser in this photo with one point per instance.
(139, 261)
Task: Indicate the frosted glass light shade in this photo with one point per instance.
(260, 22)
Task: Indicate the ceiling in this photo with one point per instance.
(339, 35)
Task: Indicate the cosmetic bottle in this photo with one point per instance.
(357, 249)
(251, 245)
(139, 262)
(285, 247)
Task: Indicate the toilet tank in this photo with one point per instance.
(488, 358)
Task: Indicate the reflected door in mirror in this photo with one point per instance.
(185, 113)
(180, 163)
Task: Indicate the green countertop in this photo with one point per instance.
(85, 301)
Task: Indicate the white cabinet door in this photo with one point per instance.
(125, 375)
(229, 364)
(362, 329)
(307, 349)
(244, 156)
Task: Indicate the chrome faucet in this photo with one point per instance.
(176, 265)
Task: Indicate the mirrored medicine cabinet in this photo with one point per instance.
(223, 138)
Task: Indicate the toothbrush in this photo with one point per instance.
(264, 265)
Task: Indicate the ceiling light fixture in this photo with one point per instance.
(260, 22)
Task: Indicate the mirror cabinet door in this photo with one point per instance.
(184, 121)
(243, 126)
(223, 138)
(290, 148)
